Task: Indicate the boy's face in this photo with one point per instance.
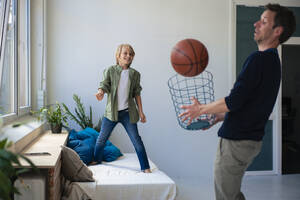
(126, 57)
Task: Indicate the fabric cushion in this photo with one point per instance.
(90, 131)
(111, 152)
(83, 143)
(83, 134)
(73, 168)
(85, 150)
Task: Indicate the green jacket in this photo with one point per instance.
(109, 84)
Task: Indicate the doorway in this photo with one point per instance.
(244, 14)
(290, 108)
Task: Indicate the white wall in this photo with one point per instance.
(82, 38)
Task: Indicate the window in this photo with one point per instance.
(14, 58)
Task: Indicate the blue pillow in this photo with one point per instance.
(111, 152)
(83, 143)
(72, 135)
(85, 150)
(87, 133)
(91, 132)
(73, 143)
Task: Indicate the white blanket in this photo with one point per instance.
(123, 180)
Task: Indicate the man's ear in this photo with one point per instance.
(278, 30)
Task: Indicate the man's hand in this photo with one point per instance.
(217, 118)
(99, 95)
(191, 111)
(196, 109)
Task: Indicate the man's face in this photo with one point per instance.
(264, 27)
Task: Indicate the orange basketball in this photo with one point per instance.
(189, 57)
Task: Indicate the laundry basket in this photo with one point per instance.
(182, 89)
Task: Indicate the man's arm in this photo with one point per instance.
(196, 109)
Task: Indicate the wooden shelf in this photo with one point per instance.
(47, 142)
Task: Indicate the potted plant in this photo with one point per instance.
(54, 115)
(10, 170)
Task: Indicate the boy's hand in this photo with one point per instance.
(143, 117)
(99, 95)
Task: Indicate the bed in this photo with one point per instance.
(123, 180)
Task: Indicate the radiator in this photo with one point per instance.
(32, 187)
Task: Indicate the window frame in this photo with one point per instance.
(19, 111)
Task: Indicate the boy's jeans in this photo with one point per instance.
(132, 131)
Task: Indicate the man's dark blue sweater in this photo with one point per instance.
(253, 96)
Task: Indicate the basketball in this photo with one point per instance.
(189, 57)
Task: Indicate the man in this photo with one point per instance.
(246, 109)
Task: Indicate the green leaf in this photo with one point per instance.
(80, 116)
(3, 143)
(91, 118)
(21, 171)
(15, 191)
(79, 104)
(7, 155)
(82, 123)
(31, 163)
(10, 172)
(98, 126)
(70, 114)
(5, 186)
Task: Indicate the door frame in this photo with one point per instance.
(276, 114)
(291, 41)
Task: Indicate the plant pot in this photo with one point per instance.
(56, 128)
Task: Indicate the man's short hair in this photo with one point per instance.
(285, 18)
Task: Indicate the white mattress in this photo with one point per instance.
(123, 180)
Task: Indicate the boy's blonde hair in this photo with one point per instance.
(119, 50)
